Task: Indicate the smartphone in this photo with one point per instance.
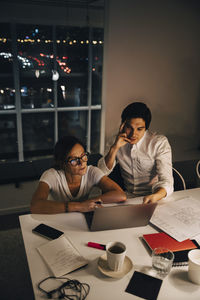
(47, 231)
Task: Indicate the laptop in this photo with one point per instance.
(120, 216)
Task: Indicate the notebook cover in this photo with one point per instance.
(161, 239)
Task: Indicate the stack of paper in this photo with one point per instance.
(180, 219)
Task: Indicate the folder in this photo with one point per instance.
(180, 249)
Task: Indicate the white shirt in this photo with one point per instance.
(145, 166)
(59, 189)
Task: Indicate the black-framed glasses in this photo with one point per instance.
(64, 288)
(77, 160)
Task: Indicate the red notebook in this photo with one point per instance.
(161, 239)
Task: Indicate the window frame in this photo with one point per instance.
(19, 111)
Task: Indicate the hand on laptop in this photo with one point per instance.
(149, 199)
(88, 205)
(158, 195)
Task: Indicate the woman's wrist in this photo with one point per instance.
(73, 206)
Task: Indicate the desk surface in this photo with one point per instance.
(175, 286)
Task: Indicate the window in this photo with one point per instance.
(50, 86)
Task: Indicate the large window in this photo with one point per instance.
(50, 86)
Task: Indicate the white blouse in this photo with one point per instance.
(59, 190)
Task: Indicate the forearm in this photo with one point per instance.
(111, 197)
(160, 193)
(41, 206)
(111, 156)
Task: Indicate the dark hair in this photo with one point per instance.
(62, 148)
(137, 110)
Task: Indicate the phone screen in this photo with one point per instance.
(47, 231)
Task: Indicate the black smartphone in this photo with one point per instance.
(47, 231)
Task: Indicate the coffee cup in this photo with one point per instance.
(116, 252)
(194, 265)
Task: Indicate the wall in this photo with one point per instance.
(152, 54)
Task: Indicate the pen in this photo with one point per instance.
(96, 245)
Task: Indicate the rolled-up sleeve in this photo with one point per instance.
(163, 162)
(102, 166)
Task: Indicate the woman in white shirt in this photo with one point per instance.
(69, 183)
(144, 157)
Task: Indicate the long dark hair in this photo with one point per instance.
(62, 148)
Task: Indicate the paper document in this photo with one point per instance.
(180, 219)
(61, 256)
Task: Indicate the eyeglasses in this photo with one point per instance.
(77, 160)
(64, 288)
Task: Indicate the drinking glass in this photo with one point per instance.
(162, 260)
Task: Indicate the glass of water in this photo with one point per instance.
(162, 260)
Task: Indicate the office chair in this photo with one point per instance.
(198, 169)
(179, 182)
(116, 176)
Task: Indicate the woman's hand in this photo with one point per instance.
(85, 206)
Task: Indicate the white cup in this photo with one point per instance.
(194, 265)
(116, 252)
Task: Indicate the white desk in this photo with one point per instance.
(175, 286)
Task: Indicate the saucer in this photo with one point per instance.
(103, 267)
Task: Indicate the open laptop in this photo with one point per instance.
(120, 216)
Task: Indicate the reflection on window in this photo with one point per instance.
(36, 97)
(73, 123)
(35, 58)
(97, 62)
(8, 133)
(7, 91)
(38, 134)
(72, 59)
(95, 130)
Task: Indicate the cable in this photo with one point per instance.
(80, 290)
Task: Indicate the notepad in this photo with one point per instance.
(161, 239)
(61, 256)
(180, 249)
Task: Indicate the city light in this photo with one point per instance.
(27, 39)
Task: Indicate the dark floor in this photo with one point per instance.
(15, 282)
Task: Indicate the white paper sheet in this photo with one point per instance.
(180, 219)
(61, 256)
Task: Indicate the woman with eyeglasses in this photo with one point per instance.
(69, 182)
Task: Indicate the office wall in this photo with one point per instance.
(152, 54)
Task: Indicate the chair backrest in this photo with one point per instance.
(93, 159)
(116, 176)
(197, 169)
(179, 182)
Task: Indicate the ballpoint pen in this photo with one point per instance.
(97, 245)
